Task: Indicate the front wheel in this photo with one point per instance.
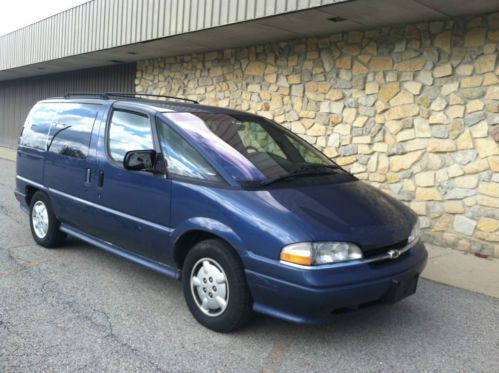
(215, 287)
(44, 224)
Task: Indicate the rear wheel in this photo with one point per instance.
(44, 224)
(215, 286)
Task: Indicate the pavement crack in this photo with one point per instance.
(4, 211)
(277, 354)
(22, 265)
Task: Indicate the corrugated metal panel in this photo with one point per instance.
(18, 96)
(103, 24)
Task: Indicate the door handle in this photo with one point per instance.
(88, 176)
(100, 180)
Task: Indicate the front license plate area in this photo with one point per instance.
(402, 288)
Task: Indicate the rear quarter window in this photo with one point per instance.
(37, 125)
(71, 131)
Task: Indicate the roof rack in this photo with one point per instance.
(105, 96)
(86, 94)
(126, 94)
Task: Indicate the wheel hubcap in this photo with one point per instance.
(209, 287)
(40, 218)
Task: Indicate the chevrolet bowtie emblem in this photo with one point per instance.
(393, 254)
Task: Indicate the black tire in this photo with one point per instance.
(238, 311)
(53, 237)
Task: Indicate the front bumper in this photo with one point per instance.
(310, 296)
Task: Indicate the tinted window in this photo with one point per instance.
(129, 131)
(182, 158)
(70, 133)
(37, 126)
(250, 148)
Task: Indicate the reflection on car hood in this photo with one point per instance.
(354, 211)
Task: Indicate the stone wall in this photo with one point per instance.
(413, 110)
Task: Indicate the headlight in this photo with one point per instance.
(317, 253)
(415, 233)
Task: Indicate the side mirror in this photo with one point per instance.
(140, 160)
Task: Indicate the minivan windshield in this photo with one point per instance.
(253, 150)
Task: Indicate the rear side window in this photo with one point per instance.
(37, 125)
(70, 133)
(128, 131)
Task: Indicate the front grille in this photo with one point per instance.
(383, 250)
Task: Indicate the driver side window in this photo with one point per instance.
(182, 159)
(128, 131)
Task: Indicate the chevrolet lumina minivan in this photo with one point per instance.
(247, 214)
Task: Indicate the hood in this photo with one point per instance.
(348, 211)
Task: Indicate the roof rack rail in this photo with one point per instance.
(127, 94)
(104, 96)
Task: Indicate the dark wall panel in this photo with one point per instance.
(18, 96)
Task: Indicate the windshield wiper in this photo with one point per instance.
(306, 170)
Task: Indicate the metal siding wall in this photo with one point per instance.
(18, 96)
(103, 24)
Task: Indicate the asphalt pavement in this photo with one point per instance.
(78, 308)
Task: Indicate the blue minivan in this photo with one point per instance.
(247, 214)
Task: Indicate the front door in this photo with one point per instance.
(134, 206)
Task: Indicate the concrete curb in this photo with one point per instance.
(8, 154)
(463, 270)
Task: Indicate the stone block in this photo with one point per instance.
(474, 118)
(255, 68)
(454, 207)
(441, 146)
(413, 87)
(402, 98)
(480, 130)
(381, 63)
(403, 111)
(344, 62)
(464, 225)
(489, 189)
(477, 166)
(438, 118)
(455, 111)
(443, 224)
(405, 135)
(492, 93)
(418, 207)
(404, 162)
(443, 41)
(414, 64)
(428, 194)
(489, 225)
(471, 81)
(486, 147)
(475, 37)
(425, 77)
(388, 91)
(334, 95)
(438, 104)
(425, 179)
(485, 63)
(360, 121)
(443, 70)
(422, 127)
(466, 182)
(494, 163)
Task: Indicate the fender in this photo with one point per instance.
(211, 226)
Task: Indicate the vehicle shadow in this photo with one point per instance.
(390, 321)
